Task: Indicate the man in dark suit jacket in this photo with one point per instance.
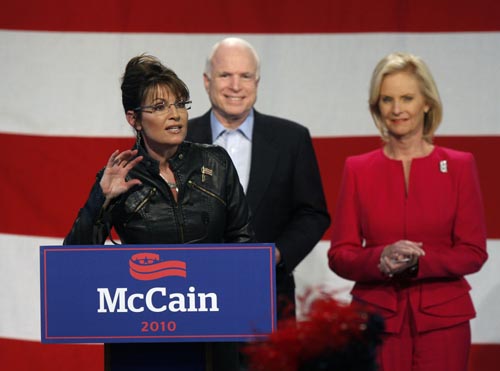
(279, 170)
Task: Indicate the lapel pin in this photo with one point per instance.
(205, 171)
(443, 166)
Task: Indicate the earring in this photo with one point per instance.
(138, 138)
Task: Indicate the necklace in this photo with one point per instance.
(171, 185)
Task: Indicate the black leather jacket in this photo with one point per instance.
(211, 205)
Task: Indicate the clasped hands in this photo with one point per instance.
(400, 256)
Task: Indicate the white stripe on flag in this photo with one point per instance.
(68, 83)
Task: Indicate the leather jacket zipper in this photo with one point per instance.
(181, 223)
(151, 193)
(206, 191)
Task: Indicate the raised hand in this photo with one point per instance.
(113, 182)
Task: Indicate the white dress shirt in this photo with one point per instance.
(238, 143)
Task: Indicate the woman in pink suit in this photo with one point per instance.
(409, 225)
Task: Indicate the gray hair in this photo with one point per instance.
(232, 41)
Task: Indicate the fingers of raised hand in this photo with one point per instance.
(120, 162)
(124, 159)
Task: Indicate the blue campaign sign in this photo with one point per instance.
(148, 293)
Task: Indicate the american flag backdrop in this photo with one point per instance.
(61, 116)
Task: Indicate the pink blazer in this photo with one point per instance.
(443, 209)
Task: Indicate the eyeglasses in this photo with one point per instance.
(164, 107)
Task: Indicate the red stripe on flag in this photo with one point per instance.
(46, 180)
(484, 357)
(258, 16)
(28, 356)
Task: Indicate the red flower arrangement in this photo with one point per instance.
(332, 336)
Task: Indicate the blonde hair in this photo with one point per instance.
(397, 62)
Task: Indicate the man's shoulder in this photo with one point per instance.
(272, 122)
(199, 129)
(205, 118)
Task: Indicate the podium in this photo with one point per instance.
(159, 307)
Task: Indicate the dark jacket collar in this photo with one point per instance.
(153, 166)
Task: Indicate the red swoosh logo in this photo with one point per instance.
(147, 267)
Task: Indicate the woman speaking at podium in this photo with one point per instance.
(164, 190)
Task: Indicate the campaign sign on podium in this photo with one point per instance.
(157, 293)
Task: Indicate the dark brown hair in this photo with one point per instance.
(145, 74)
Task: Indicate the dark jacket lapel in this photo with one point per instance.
(264, 153)
(201, 132)
(264, 160)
